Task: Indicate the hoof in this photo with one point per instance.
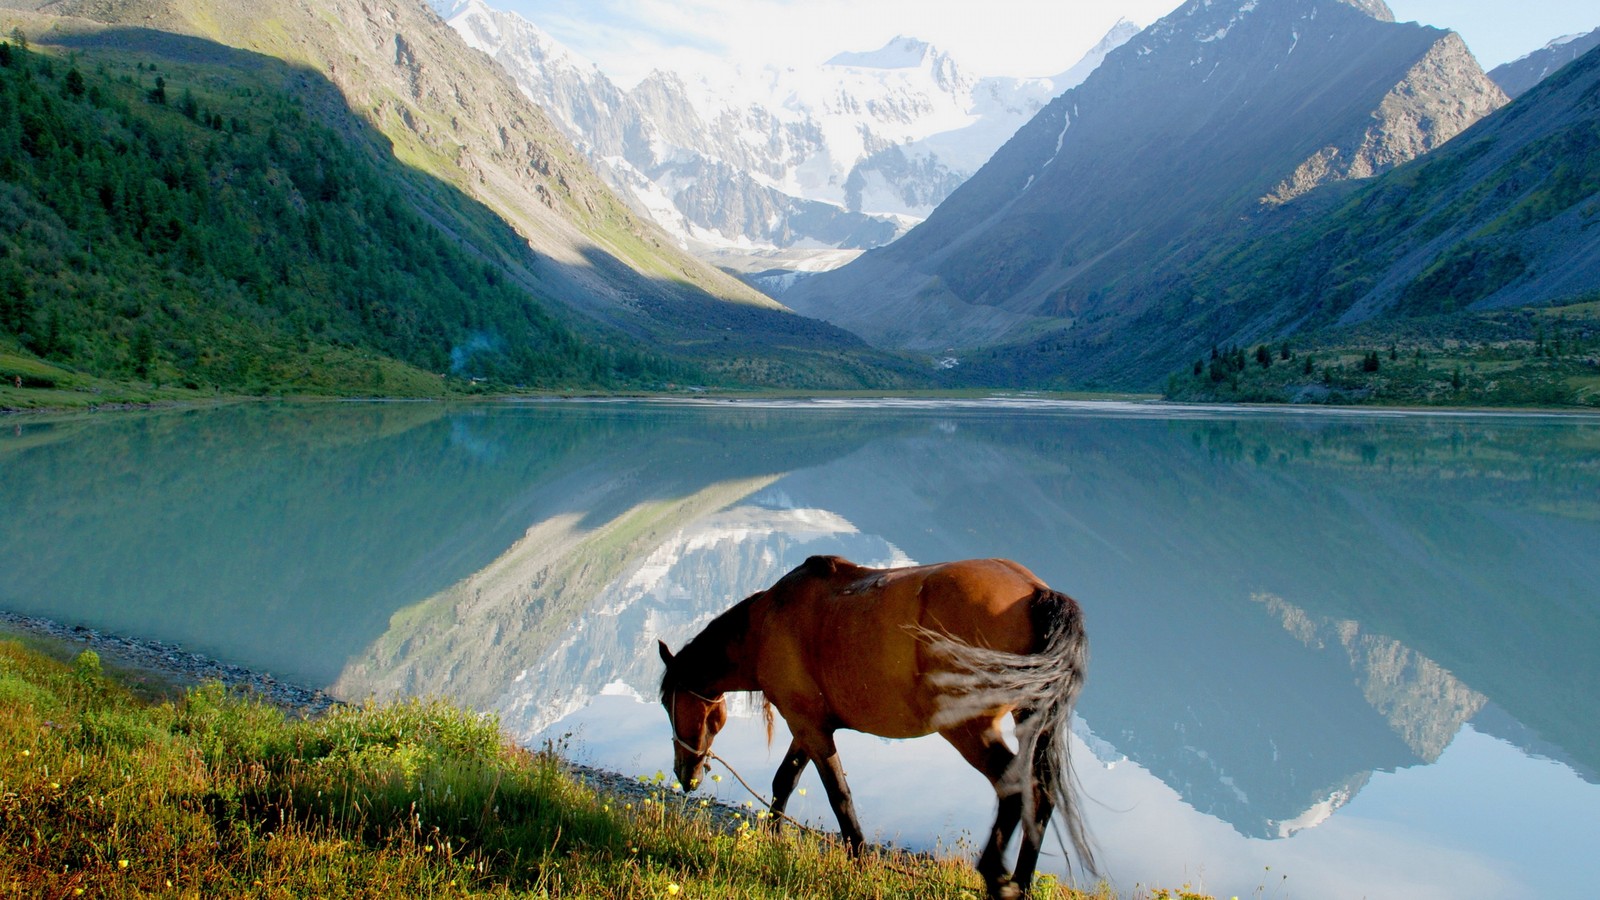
(1004, 889)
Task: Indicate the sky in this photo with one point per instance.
(628, 38)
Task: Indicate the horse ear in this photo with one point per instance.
(666, 655)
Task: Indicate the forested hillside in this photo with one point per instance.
(184, 224)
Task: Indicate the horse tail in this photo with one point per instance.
(1043, 687)
(1047, 733)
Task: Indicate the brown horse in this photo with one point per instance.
(901, 653)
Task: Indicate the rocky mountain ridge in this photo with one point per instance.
(777, 162)
(1503, 216)
(1212, 114)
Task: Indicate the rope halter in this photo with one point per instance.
(672, 720)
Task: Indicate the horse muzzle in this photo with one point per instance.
(690, 769)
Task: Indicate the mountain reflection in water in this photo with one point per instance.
(1284, 609)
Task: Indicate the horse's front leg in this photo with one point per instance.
(794, 763)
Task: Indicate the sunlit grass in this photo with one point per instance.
(104, 794)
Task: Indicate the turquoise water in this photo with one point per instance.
(1333, 654)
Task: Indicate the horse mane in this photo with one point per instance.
(705, 659)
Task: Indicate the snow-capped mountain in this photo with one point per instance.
(1520, 75)
(790, 165)
(1219, 110)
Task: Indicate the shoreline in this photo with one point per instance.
(172, 664)
(1148, 403)
(174, 667)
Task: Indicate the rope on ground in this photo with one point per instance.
(777, 815)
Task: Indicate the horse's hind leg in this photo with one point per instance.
(1032, 833)
(1036, 779)
(981, 745)
(992, 862)
(794, 763)
(1028, 853)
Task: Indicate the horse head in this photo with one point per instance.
(695, 720)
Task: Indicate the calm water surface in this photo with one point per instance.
(1333, 655)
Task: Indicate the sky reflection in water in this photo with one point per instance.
(1373, 634)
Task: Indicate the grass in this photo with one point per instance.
(111, 793)
(29, 383)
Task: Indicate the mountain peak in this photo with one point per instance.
(1120, 34)
(1210, 21)
(493, 31)
(1561, 42)
(900, 53)
(1065, 227)
(449, 9)
(667, 79)
(1521, 74)
(1375, 8)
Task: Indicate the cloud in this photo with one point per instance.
(627, 38)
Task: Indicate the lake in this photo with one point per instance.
(1333, 654)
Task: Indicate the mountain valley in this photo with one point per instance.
(1213, 114)
(1150, 218)
(473, 166)
(1279, 180)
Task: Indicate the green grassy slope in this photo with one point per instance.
(105, 794)
(191, 224)
(1545, 357)
(1430, 259)
(460, 141)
